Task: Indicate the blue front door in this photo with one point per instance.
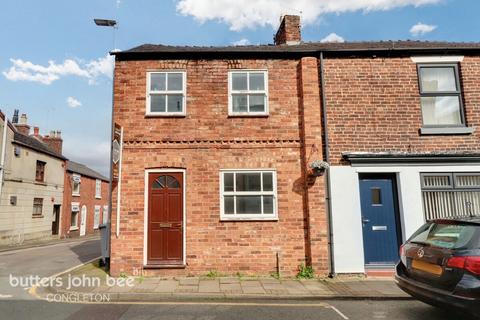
(379, 220)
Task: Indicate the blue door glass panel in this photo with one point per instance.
(380, 232)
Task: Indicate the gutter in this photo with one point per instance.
(327, 176)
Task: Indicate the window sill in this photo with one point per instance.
(99, 198)
(446, 130)
(75, 194)
(242, 219)
(40, 183)
(73, 228)
(37, 216)
(246, 115)
(166, 115)
(164, 266)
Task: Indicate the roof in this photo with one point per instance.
(304, 48)
(35, 144)
(83, 170)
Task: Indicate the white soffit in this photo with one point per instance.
(436, 59)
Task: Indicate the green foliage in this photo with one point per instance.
(212, 274)
(275, 275)
(123, 275)
(305, 272)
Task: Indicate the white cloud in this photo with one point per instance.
(420, 29)
(91, 152)
(27, 71)
(242, 14)
(333, 37)
(73, 103)
(241, 42)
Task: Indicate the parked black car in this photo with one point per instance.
(440, 264)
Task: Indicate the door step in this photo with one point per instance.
(380, 271)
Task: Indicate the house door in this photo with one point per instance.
(55, 219)
(379, 219)
(165, 218)
(83, 221)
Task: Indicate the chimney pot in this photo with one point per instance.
(23, 118)
(289, 31)
(36, 131)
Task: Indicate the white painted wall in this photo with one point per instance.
(346, 209)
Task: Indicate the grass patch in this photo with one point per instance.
(305, 272)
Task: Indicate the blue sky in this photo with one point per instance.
(54, 64)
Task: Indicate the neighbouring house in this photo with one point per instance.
(85, 200)
(219, 145)
(32, 189)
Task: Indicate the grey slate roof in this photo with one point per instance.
(35, 144)
(83, 170)
(306, 47)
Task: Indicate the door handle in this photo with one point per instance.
(364, 220)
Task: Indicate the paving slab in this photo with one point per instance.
(209, 286)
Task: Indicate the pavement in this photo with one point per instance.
(46, 242)
(17, 303)
(151, 289)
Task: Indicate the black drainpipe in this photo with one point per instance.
(327, 176)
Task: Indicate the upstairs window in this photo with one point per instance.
(248, 93)
(98, 189)
(76, 185)
(441, 96)
(166, 93)
(40, 171)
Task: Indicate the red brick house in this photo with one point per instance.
(85, 200)
(218, 144)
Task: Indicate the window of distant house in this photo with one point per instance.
(96, 217)
(74, 216)
(440, 95)
(76, 179)
(248, 195)
(447, 195)
(248, 93)
(40, 171)
(37, 207)
(98, 189)
(166, 93)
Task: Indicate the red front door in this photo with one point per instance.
(165, 218)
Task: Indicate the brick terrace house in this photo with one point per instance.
(85, 200)
(218, 142)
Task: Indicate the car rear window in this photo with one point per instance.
(446, 235)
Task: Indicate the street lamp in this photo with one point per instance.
(105, 22)
(106, 251)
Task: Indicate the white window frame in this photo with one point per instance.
(77, 205)
(96, 216)
(247, 92)
(105, 214)
(183, 92)
(98, 189)
(246, 217)
(76, 194)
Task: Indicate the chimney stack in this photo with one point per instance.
(54, 141)
(21, 125)
(289, 31)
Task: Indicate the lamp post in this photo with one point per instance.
(106, 242)
(107, 23)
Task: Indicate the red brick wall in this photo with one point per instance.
(373, 105)
(87, 198)
(204, 142)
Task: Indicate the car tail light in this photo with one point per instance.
(402, 251)
(471, 264)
